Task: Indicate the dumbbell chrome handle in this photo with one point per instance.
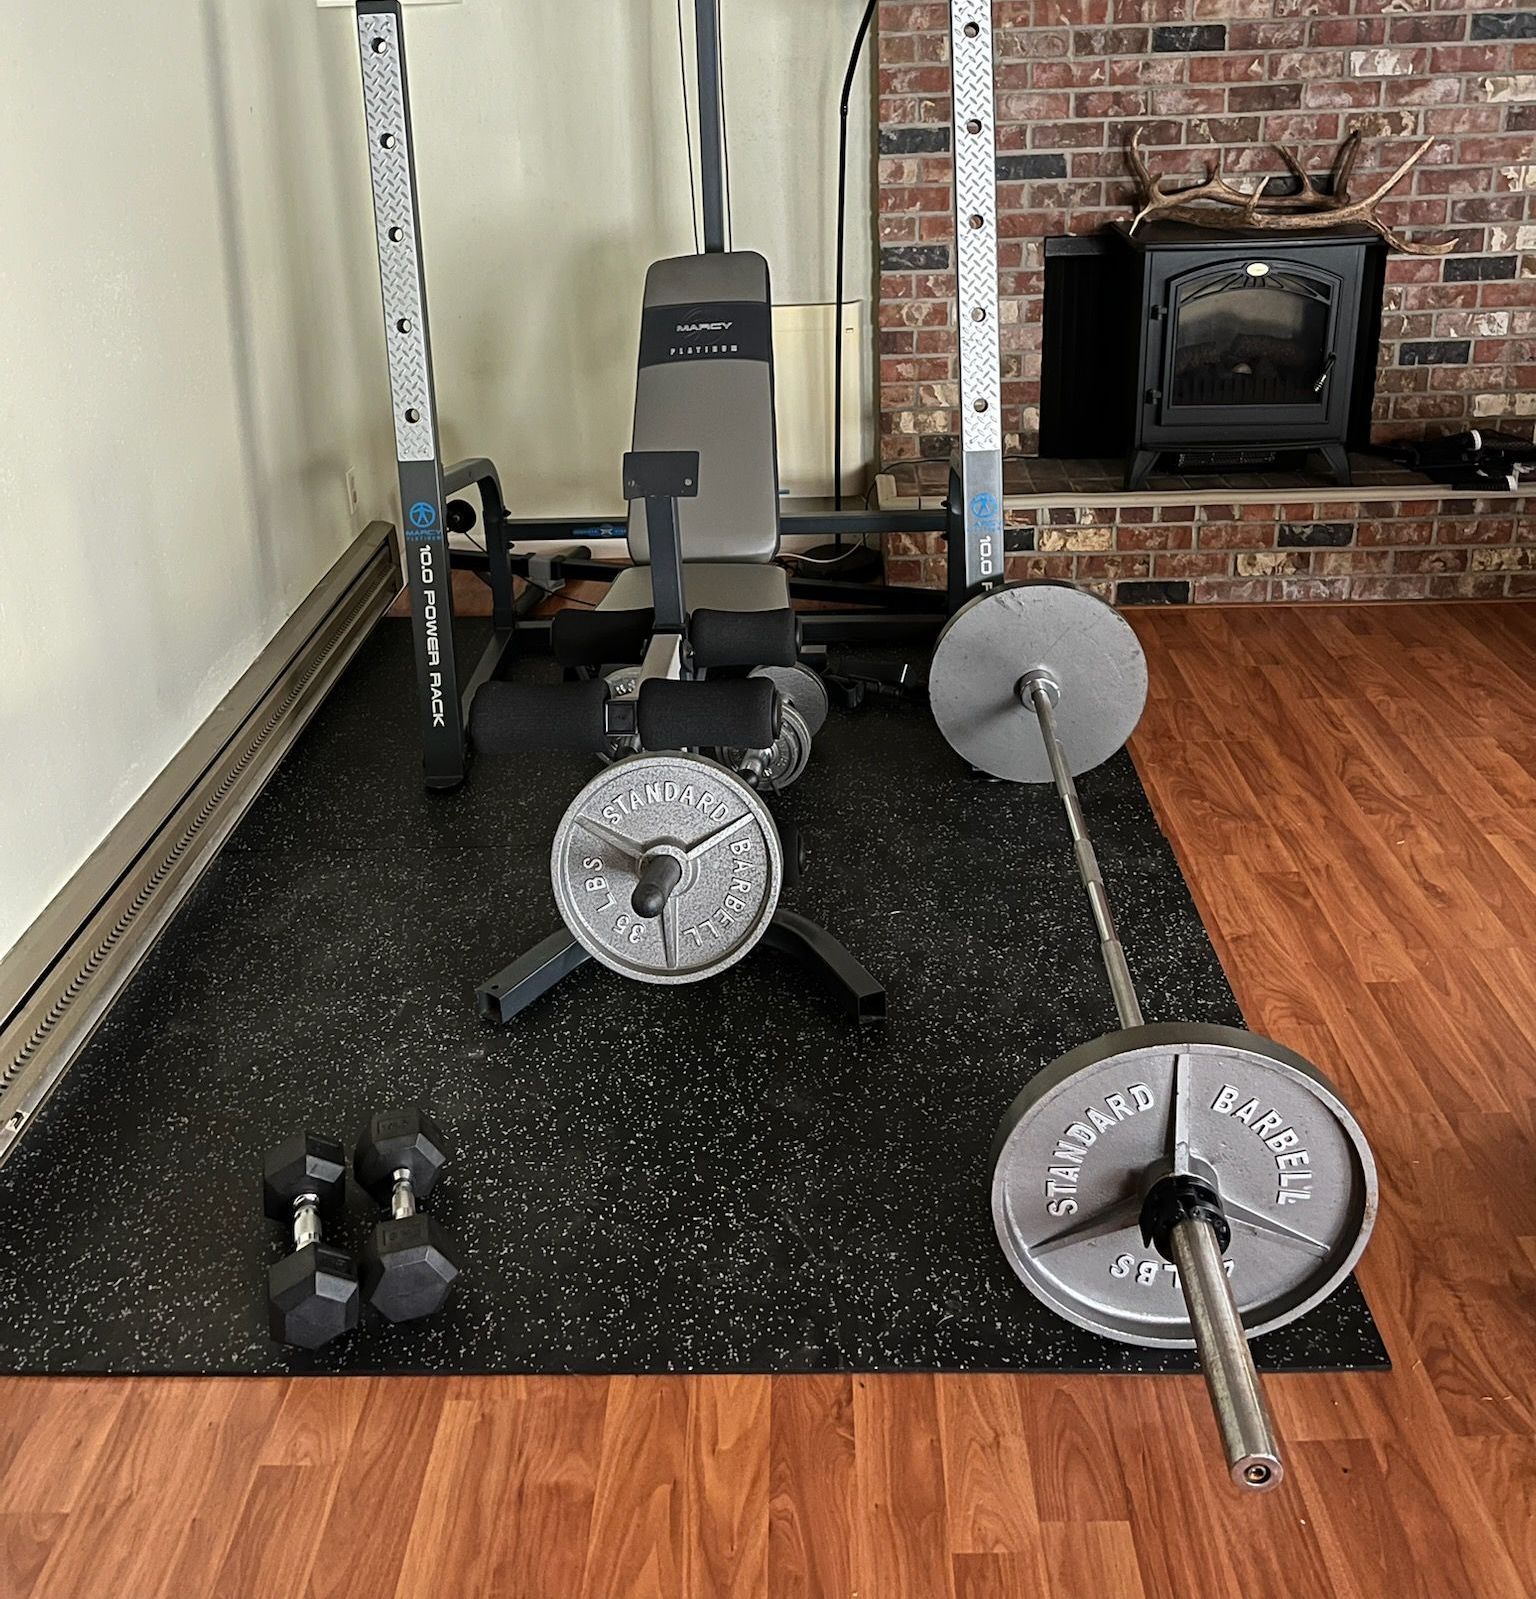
(1247, 1433)
(402, 1202)
(306, 1220)
(1038, 691)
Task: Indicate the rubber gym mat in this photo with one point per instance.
(719, 1177)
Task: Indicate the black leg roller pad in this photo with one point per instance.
(743, 638)
(744, 714)
(598, 638)
(508, 718)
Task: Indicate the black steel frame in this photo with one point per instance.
(533, 974)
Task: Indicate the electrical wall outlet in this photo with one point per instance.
(352, 499)
(327, 5)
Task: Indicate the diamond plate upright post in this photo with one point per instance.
(402, 276)
(976, 543)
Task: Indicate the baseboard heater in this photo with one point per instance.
(59, 981)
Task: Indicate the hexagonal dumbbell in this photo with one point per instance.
(312, 1294)
(409, 1266)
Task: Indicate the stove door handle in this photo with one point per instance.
(1327, 372)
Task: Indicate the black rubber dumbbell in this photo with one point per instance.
(312, 1294)
(409, 1266)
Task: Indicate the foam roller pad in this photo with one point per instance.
(743, 638)
(743, 714)
(595, 638)
(507, 718)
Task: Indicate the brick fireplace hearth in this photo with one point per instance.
(1458, 345)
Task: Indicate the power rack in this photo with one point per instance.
(847, 613)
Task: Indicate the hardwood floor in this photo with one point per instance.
(1352, 792)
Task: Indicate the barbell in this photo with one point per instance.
(1173, 1184)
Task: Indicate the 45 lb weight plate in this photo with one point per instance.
(708, 821)
(1084, 646)
(1078, 1151)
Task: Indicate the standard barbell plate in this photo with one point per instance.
(711, 822)
(803, 689)
(789, 756)
(1083, 644)
(1078, 1149)
(623, 684)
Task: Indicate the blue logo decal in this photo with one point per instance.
(984, 507)
(424, 515)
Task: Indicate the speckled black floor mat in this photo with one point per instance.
(716, 1178)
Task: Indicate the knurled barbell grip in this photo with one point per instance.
(1242, 1416)
(1040, 695)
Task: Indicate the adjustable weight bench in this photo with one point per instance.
(706, 383)
(667, 866)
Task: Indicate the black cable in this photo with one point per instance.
(842, 212)
(693, 188)
(725, 130)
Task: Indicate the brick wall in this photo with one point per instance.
(1236, 553)
(1074, 76)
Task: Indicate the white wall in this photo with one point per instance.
(546, 196)
(189, 342)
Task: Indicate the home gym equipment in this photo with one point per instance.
(312, 1293)
(409, 1266)
(431, 492)
(667, 866)
(425, 481)
(1169, 1184)
(975, 502)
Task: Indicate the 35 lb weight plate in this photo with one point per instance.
(1078, 1150)
(1081, 643)
(705, 818)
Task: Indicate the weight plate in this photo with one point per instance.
(789, 756)
(623, 684)
(710, 821)
(803, 689)
(1078, 1149)
(1083, 644)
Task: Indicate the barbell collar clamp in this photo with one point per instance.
(1040, 682)
(1177, 1198)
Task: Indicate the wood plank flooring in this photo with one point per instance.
(1352, 793)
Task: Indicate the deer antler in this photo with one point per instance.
(1157, 200)
(1343, 166)
(1209, 204)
